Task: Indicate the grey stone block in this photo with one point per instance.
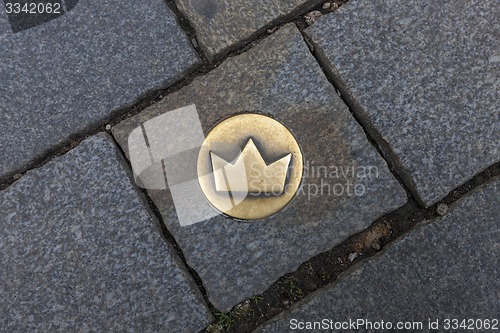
(62, 77)
(446, 269)
(81, 253)
(279, 78)
(220, 24)
(423, 74)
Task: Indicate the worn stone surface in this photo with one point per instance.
(64, 76)
(279, 78)
(424, 74)
(80, 252)
(446, 269)
(220, 24)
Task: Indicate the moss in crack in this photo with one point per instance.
(294, 290)
(223, 320)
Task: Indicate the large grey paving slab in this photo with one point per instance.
(279, 78)
(448, 269)
(81, 253)
(425, 75)
(220, 24)
(64, 76)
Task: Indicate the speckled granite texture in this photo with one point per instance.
(62, 77)
(81, 253)
(448, 268)
(424, 74)
(279, 78)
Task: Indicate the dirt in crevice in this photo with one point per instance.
(325, 268)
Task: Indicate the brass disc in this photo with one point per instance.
(272, 172)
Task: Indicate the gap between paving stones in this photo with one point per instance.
(108, 276)
(185, 25)
(325, 268)
(371, 133)
(390, 95)
(149, 98)
(166, 234)
(296, 14)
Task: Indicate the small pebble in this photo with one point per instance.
(312, 16)
(442, 209)
(376, 246)
(215, 328)
(108, 127)
(352, 256)
(272, 30)
(326, 5)
(17, 176)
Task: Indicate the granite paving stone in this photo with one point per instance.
(424, 74)
(62, 77)
(82, 253)
(280, 78)
(220, 24)
(447, 268)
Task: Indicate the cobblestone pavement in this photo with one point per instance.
(407, 90)
(450, 264)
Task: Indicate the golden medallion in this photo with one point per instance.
(250, 166)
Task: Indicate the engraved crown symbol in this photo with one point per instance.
(250, 173)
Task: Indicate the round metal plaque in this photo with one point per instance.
(250, 166)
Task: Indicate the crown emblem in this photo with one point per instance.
(250, 173)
